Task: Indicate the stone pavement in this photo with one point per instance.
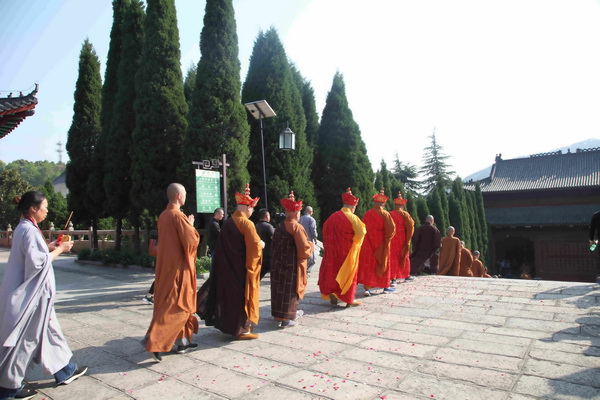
(435, 338)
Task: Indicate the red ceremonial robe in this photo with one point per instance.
(343, 234)
(373, 267)
(399, 254)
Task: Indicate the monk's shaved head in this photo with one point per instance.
(173, 190)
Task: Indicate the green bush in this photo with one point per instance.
(146, 261)
(97, 255)
(84, 254)
(202, 264)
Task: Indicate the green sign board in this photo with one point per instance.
(208, 190)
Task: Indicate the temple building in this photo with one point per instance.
(539, 210)
(14, 109)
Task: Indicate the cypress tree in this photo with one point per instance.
(270, 77)
(309, 106)
(95, 187)
(217, 118)
(470, 199)
(383, 179)
(482, 223)
(160, 110)
(435, 167)
(117, 179)
(458, 213)
(188, 85)
(57, 211)
(422, 211)
(342, 159)
(83, 133)
(434, 203)
(411, 207)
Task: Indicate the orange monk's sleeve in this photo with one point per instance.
(383, 253)
(188, 236)
(304, 249)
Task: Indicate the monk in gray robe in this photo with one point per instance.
(29, 331)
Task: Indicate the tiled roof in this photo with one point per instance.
(13, 110)
(545, 171)
(541, 216)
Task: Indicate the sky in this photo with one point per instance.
(510, 77)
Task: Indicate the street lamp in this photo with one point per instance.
(287, 139)
(261, 109)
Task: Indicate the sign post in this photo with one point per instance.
(208, 190)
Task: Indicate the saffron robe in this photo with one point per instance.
(175, 282)
(29, 329)
(479, 270)
(235, 284)
(449, 256)
(373, 266)
(399, 254)
(291, 250)
(466, 259)
(343, 235)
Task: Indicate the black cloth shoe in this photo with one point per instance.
(184, 349)
(78, 372)
(156, 356)
(25, 393)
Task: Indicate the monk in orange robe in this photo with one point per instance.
(399, 248)
(466, 259)
(232, 305)
(477, 268)
(289, 262)
(173, 321)
(374, 265)
(449, 254)
(343, 235)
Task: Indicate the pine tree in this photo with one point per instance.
(83, 133)
(218, 122)
(342, 159)
(309, 106)
(422, 210)
(435, 168)
(475, 237)
(270, 78)
(435, 205)
(385, 180)
(57, 209)
(411, 207)
(117, 179)
(160, 110)
(406, 174)
(458, 213)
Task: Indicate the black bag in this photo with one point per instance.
(202, 299)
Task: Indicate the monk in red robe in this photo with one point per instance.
(374, 265)
(449, 254)
(466, 259)
(173, 321)
(343, 235)
(477, 268)
(289, 262)
(232, 305)
(399, 248)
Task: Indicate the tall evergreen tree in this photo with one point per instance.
(475, 238)
(423, 211)
(83, 133)
(95, 187)
(482, 223)
(342, 159)
(11, 184)
(384, 179)
(160, 110)
(117, 178)
(309, 106)
(57, 209)
(218, 122)
(405, 173)
(189, 83)
(270, 77)
(459, 214)
(435, 167)
(435, 205)
(411, 207)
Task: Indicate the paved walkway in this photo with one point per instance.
(435, 338)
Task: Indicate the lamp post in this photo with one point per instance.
(261, 109)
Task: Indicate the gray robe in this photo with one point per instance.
(29, 330)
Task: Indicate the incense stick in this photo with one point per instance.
(68, 219)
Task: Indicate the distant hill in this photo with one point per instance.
(586, 144)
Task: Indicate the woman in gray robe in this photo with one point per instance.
(30, 331)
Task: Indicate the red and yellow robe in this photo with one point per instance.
(343, 235)
(373, 267)
(175, 282)
(400, 245)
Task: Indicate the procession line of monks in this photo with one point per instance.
(373, 252)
